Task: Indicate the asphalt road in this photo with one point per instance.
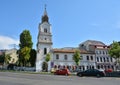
(8, 78)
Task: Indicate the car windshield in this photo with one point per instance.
(89, 70)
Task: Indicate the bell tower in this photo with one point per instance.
(44, 40)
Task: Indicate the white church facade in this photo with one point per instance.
(44, 43)
(94, 53)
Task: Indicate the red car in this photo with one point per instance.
(62, 72)
(108, 70)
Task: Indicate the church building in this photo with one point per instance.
(94, 53)
(44, 43)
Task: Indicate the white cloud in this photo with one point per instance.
(6, 41)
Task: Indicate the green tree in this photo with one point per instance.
(25, 39)
(2, 58)
(114, 51)
(32, 57)
(77, 57)
(25, 48)
(119, 42)
(47, 58)
(25, 53)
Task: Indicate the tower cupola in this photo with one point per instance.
(45, 17)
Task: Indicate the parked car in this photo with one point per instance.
(91, 72)
(108, 70)
(53, 70)
(62, 72)
(11, 67)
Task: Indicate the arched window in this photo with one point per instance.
(45, 38)
(45, 51)
(45, 30)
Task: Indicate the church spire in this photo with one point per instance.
(45, 16)
(45, 11)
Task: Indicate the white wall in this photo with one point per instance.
(70, 61)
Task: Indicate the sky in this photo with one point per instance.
(72, 21)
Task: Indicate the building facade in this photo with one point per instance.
(44, 43)
(13, 55)
(63, 58)
(94, 53)
(103, 60)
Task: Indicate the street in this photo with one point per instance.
(9, 78)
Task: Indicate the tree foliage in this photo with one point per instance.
(25, 55)
(47, 59)
(2, 58)
(25, 39)
(76, 57)
(32, 57)
(25, 48)
(114, 50)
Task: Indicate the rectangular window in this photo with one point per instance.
(111, 59)
(97, 59)
(65, 57)
(107, 59)
(91, 57)
(57, 57)
(103, 52)
(101, 59)
(87, 57)
(72, 57)
(45, 51)
(45, 30)
(104, 59)
(81, 57)
(96, 52)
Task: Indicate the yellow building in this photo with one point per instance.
(13, 55)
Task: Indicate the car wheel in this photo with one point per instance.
(66, 74)
(98, 75)
(80, 75)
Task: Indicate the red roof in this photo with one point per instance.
(70, 51)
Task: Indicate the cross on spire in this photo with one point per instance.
(45, 6)
(45, 12)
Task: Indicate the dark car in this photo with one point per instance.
(91, 72)
(62, 72)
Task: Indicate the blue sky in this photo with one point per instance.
(72, 21)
